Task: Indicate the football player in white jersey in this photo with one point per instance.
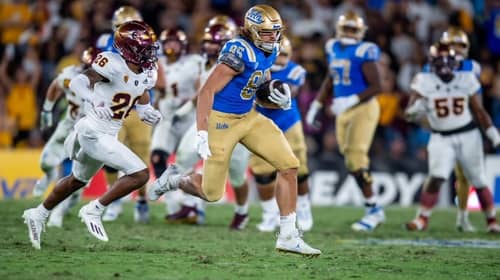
(449, 101)
(53, 152)
(114, 84)
(219, 30)
(181, 71)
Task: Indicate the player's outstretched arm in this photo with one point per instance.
(53, 93)
(484, 120)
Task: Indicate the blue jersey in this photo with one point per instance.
(466, 65)
(294, 75)
(238, 95)
(345, 65)
(105, 43)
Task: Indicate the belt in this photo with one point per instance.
(467, 127)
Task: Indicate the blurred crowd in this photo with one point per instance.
(40, 37)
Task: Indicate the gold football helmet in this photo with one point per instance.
(124, 14)
(458, 41)
(223, 20)
(285, 46)
(259, 19)
(350, 27)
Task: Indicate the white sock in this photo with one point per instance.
(287, 224)
(241, 209)
(303, 201)
(190, 200)
(424, 212)
(371, 202)
(270, 206)
(44, 212)
(96, 204)
(463, 213)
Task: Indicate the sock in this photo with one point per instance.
(190, 200)
(462, 214)
(370, 202)
(428, 200)
(270, 206)
(424, 212)
(241, 209)
(96, 204)
(44, 212)
(303, 200)
(287, 224)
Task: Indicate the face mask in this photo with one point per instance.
(348, 41)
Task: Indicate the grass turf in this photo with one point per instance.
(161, 251)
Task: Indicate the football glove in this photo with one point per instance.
(46, 120)
(312, 112)
(202, 144)
(341, 104)
(282, 99)
(494, 136)
(148, 114)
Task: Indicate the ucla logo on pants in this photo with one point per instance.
(221, 126)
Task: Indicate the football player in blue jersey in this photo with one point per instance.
(289, 122)
(225, 116)
(134, 133)
(457, 39)
(353, 82)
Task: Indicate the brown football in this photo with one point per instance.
(263, 92)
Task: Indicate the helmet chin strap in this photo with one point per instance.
(348, 41)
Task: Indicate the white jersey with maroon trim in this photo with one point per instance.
(74, 101)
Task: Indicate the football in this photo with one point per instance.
(263, 92)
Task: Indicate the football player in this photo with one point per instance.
(218, 31)
(114, 84)
(225, 117)
(181, 71)
(353, 81)
(289, 122)
(53, 152)
(458, 41)
(449, 100)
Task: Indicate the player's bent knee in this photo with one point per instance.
(213, 195)
(264, 179)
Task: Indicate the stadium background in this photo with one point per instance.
(39, 38)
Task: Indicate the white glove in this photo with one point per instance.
(103, 112)
(494, 136)
(202, 144)
(148, 114)
(416, 110)
(341, 104)
(312, 112)
(282, 99)
(46, 120)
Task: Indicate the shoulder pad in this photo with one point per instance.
(329, 45)
(469, 83)
(368, 51)
(297, 75)
(232, 60)
(103, 41)
(108, 64)
(66, 75)
(476, 68)
(241, 49)
(421, 83)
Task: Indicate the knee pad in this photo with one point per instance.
(159, 162)
(109, 169)
(265, 179)
(363, 177)
(302, 178)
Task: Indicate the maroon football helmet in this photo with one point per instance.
(177, 35)
(136, 43)
(216, 34)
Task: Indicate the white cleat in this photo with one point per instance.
(113, 211)
(270, 222)
(36, 224)
(294, 244)
(92, 219)
(373, 218)
(163, 184)
(464, 225)
(304, 219)
(56, 218)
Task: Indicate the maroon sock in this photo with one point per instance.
(485, 198)
(428, 200)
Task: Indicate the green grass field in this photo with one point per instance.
(161, 251)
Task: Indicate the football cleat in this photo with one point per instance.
(304, 218)
(418, 224)
(141, 212)
(113, 211)
(493, 228)
(56, 217)
(239, 222)
(92, 219)
(372, 219)
(294, 244)
(464, 225)
(36, 224)
(270, 222)
(163, 184)
(40, 187)
(186, 215)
